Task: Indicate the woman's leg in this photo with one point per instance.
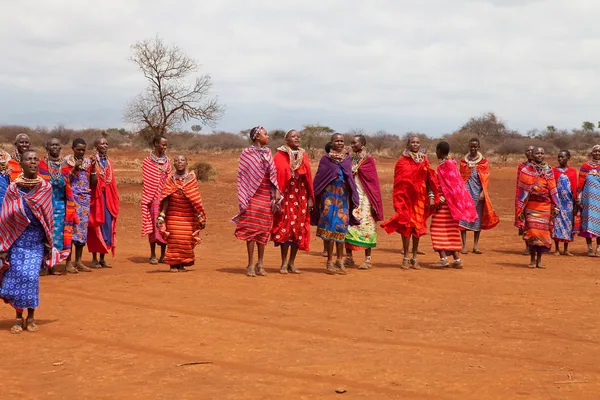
(250, 269)
(19, 323)
(414, 262)
(463, 239)
(476, 236)
(405, 245)
(589, 246)
(152, 250)
(567, 252)
(538, 261)
(339, 253)
(78, 255)
(163, 249)
(261, 254)
(284, 263)
(292, 261)
(349, 261)
(557, 251)
(30, 322)
(532, 259)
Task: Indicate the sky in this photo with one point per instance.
(398, 66)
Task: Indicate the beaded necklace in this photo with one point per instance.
(54, 167)
(161, 162)
(27, 182)
(417, 157)
(357, 160)
(105, 173)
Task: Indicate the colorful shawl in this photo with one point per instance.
(254, 162)
(455, 192)
(189, 187)
(489, 218)
(329, 170)
(286, 169)
(5, 165)
(586, 169)
(366, 171)
(71, 217)
(13, 219)
(571, 174)
(107, 185)
(413, 177)
(154, 174)
(529, 177)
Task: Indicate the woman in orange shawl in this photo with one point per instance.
(536, 205)
(475, 171)
(182, 216)
(415, 191)
(291, 227)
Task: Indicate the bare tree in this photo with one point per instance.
(170, 97)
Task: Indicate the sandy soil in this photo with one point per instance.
(494, 330)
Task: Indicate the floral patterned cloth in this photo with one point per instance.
(333, 211)
(365, 234)
(292, 225)
(80, 185)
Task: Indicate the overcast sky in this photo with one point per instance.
(421, 65)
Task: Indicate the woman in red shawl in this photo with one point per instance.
(370, 208)
(415, 191)
(475, 172)
(454, 205)
(564, 226)
(536, 205)
(104, 208)
(182, 216)
(291, 227)
(258, 198)
(529, 159)
(156, 168)
(21, 145)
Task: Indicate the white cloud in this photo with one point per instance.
(398, 65)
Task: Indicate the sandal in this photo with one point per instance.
(365, 265)
(260, 270)
(330, 269)
(173, 269)
(82, 268)
(104, 264)
(283, 270)
(458, 264)
(532, 265)
(477, 251)
(70, 269)
(540, 266)
(31, 326)
(568, 254)
(181, 268)
(414, 263)
(406, 263)
(340, 268)
(464, 251)
(349, 262)
(53, 271)
(153, 261)
(95, 265)
(17, 327)
(292, 269)
(443, 263)
(161, 260)
(251, 271)
(557, 253)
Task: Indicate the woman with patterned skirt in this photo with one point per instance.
(182, 216)
(475, 171)
(156, 168)
(258, 198)
(291, 227)
(589, 200)
(536, 205)
(370, 208)
(415, 191)
(454, 205)
(63, 203)
(81, 172)
(26, 226)
(566, 184)
(335, 201)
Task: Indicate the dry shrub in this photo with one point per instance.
(204, 171)
(128, 180)
(130, 198)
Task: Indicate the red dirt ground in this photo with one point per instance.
(494, 330)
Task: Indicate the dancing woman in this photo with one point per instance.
(156, 168)
(415, 191)
(291, 227)
(566, 185)
(475, 171)
(182, 216)
(258, 198)
(454, 205)
(63, 203)
(82, 178)
(536, 205)
(104, 208)
(335, 200)
(370, 208)
(26, 226)
(589, 200)
(21, 146)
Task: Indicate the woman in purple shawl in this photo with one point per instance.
(335, 199)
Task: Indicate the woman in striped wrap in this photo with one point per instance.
(536, 205)
(258, 198)
(454, 204)
(26, 226)
(155, 170)
(182, 216)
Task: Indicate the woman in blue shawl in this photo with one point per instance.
(335, 199)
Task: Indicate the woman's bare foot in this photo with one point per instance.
(251, 271)
(330, 269)
(153, 261)
(406, 263)
(104, 264)
(414, 263)
(477, 251)
(284, 269)
(557, 253)
(349, 262)
(95, 265)
(458, 264)
(532, 265)
(324, 254)
(260, 270)
(173, 269)
(540, 266)
(17, 327)
(181, 268)
(70, 269)
(569, 254)
(82, 268)
(54, 271)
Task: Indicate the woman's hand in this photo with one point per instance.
(521, 217)
(3, 256)
(310, 204)
(277, 196)
(482, 196)
(554, 212)
(203, 225)
(431, 202)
